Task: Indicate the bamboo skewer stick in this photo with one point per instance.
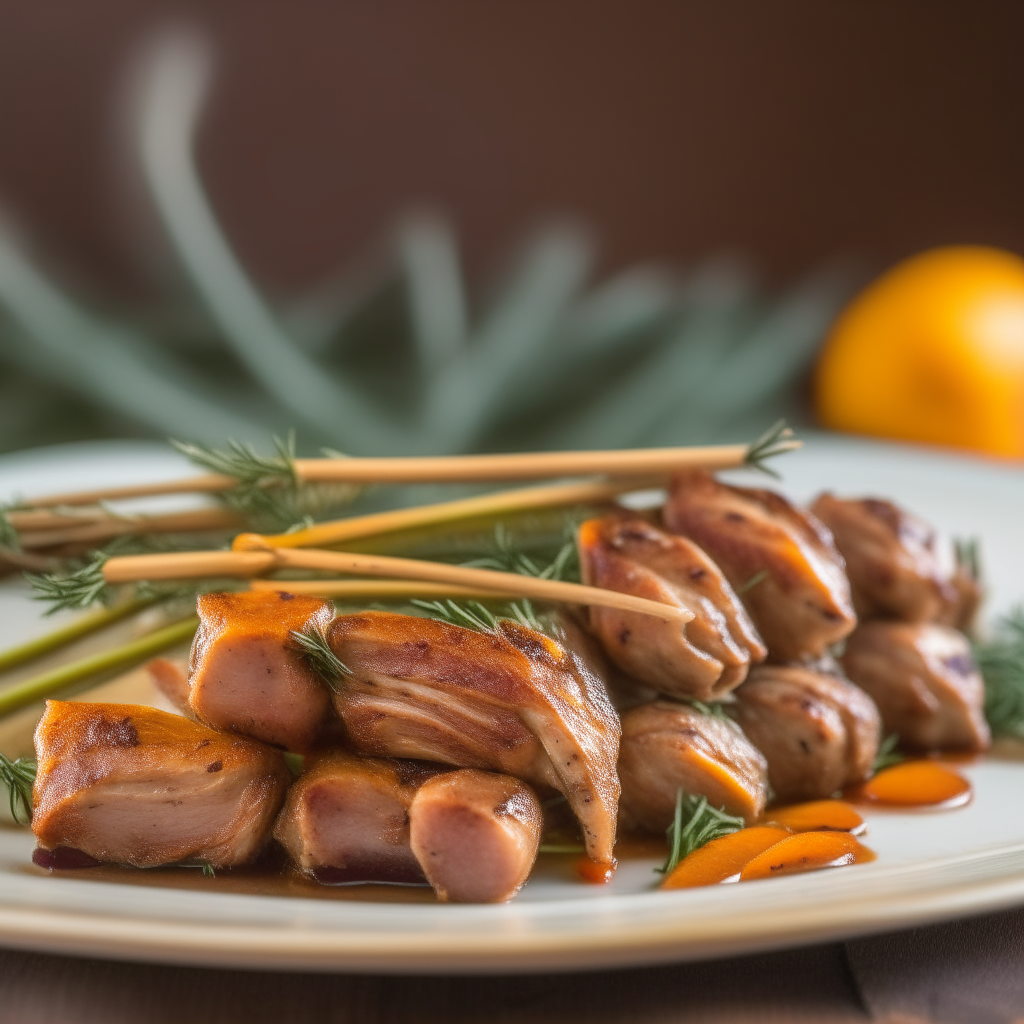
(376, 589)
(134, 568)
(206, 483)
(521, 500)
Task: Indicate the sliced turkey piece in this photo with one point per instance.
(170, 677)
(475, 834)
(890, 559)
(515, 701)
(924, 680)
(667, 747)
(346, 819)
(702, 659)
(246, 674)
(818, 732)
(132, 785)
(781, 561)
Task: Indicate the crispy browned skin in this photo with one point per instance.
(475, 834)
(703, 659)
(132, 785)
(890, 559)
(817, 731)
(245, 674)
(346, 819)
(923, 678)
(803, 603)
(667, 747)
(515, 701)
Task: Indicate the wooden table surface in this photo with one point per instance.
(966, 972)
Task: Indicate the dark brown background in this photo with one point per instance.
(789, 131)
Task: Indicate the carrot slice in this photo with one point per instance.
(816, 816)
(915, 784)
(722, 858)
(806, 851)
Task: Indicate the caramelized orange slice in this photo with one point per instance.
(806, 851)
(722, 858)
(916, 784)
(817, 816)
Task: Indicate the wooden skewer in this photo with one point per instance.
(376, 589)
(207, 483)
(354, 527)
(112, 526)
(133, 568)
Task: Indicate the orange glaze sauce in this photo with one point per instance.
(806, 851)
(723, 858)
(593, 873)
(816, 816)
(914, 784)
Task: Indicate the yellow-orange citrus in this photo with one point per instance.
(932, 351)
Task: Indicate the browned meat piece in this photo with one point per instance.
(346, 819)
(923, 679)
(245, 674)
(780, 560)
(818, 732)
(703, 659)
(514, 700)
(132, 785)
(475, 834)
(667, 747)
(171, 679)
(890, 559)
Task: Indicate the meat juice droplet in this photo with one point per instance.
(594, 873)
(915, 784)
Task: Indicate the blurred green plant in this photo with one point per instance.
(396, 358)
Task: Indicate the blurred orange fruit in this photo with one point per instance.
(932, 351)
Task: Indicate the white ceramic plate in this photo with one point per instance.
(930, 865)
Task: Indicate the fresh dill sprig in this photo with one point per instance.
(8, 534)
(19, 776)
(244, 463)
(887, 754)
(78, 589)
(695, 823)
(313, 645)
(776, 440)
(1001, 660)
(468, 614)
(508, 557)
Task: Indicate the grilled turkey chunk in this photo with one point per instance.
(703, 659)
(667, 747)
(890, 559)
(818, 732)
(781, 560)
(128, 784)
(924, 681)
(346, 819)
(475, 834)
(514, 700)
(246, 676)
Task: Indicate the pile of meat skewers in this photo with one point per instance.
(430, 748)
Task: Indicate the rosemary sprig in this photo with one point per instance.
(776, 440)
(19, 776)
(78, 589)
(468, 614)
(313, 645)
(1001, 660)
(244, 463)
(887, 754)
(695, 823)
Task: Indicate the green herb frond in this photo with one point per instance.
(695, 823)
(758, 577)
(887, 754)
(776, 440)
(714, 709)
(967, 552)
(508, 557)
(9, 538)
(244, 463)
(19, 776)
(313, 645)
(1001, 660)
(78, 589)
(468, 614)
(561, 848)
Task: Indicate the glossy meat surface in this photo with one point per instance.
(702, 659)
(128, 784)
(245, 674)
(346, 819)
(668, 746)
(890, 559)
(515, 701)
(475, 834)
(817, 731)
(170, 677)
(780, 560)
(924, 680)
